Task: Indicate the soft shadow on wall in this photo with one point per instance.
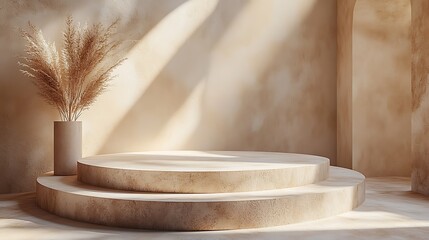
(250, 78)
(287, 101)
(26, 142)
(165, 93)
(237, 75)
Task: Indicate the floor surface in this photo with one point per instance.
(390, 211)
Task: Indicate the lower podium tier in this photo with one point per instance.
(342, 191)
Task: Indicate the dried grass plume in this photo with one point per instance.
(71, 78)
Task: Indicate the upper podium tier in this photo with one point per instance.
(202, 172)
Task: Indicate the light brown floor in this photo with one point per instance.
(390, 211)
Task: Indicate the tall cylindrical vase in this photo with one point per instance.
(67, 147)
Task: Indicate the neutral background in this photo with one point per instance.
(382, 87)
(259, 75)
(217, 75)
(374, 86)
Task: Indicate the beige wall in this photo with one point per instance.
(374, 86)
(235, 75)
(420, 116)
(344, 82)
(381, 85)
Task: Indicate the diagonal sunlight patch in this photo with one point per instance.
(154, 51)
(144, 62)
(256, 39)
(244, 52)
(182, 124)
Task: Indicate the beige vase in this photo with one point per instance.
(67, 147)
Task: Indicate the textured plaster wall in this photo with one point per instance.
(374, 86)
(344, 82)
(420, 116)
(233, 75)
(381, 87)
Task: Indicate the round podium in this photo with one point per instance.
(189, 190)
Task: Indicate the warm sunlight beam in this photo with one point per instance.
(182, 124)
(362, 220)
(144, 63)
(255, 39)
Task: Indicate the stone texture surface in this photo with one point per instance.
(202, 172)
(390, 211)
(420, 117)
(67, 197)
(220, 75)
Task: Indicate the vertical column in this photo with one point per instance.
(344, 82)
(420, 94)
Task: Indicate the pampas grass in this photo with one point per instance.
(72, 78)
